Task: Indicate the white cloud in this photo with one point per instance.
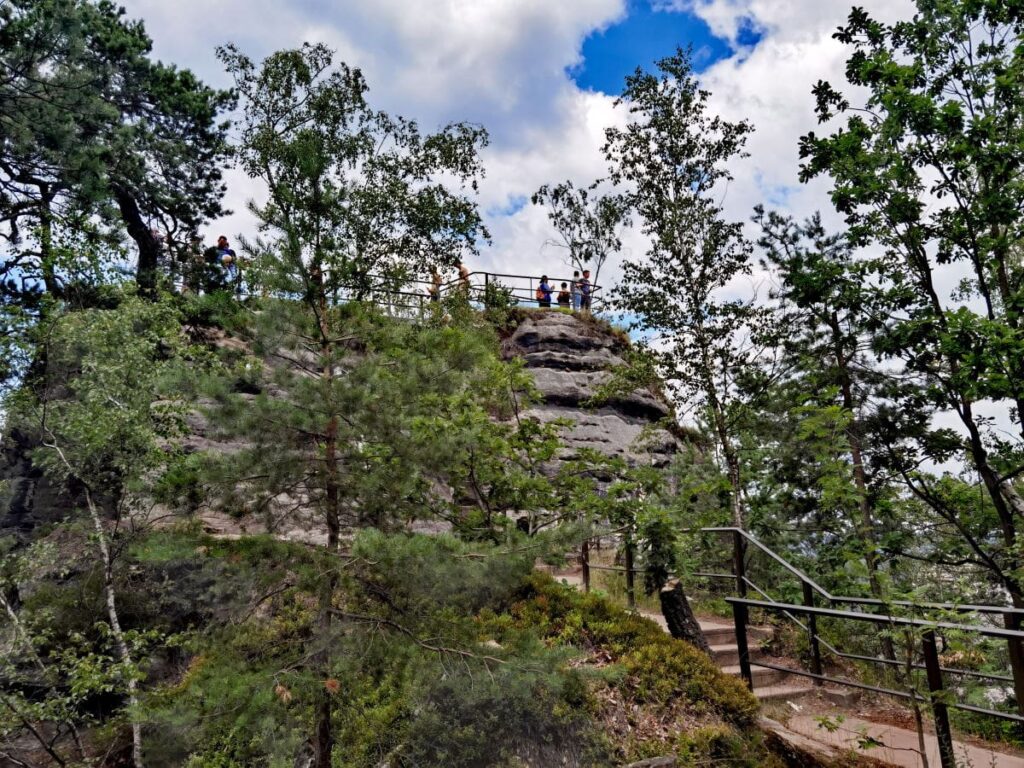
(502, 63)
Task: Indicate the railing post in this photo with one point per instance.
(630, 589)
(739, 616)
(738, 568)
(1016, 651)
(585, 562)
(933, 670)
(812, 631)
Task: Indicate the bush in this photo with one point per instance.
(658, 669)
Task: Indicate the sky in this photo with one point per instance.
(542, 77)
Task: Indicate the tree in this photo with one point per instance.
(356, 199)
(589, 225)
(101, 435)
(673, 155)
(829, 369)
(356, 196)
(929, 170)
(94, 131)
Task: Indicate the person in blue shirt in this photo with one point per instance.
(586, 291)
(227, 260)
(544, 292)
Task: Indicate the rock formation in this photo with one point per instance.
(570, 358)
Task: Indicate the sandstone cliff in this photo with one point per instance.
(570, 358)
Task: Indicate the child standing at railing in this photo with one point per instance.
(435, 285)
(563, 296)
(586, 289)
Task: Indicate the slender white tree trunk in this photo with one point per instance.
(115, 624)
(115, 628)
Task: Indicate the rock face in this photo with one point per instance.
(570, 358)
(28, 499)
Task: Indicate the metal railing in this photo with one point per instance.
(876, 612)
(411, 298)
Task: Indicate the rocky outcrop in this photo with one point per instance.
(570, 358)
(29, 500)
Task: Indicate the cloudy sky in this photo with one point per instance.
(542, 76)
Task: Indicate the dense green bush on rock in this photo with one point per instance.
(658, 669)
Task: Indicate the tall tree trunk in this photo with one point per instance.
(112, 616)
(115, 628)
(729, 453)
(47, 256)
(323, 737)
(149, 249)
(866, 522)
(732, 461)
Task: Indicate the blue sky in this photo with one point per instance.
(645, 35)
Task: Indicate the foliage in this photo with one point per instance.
(674, 157)
(589, 621)
(356, 195)
(590, 227)
(95, 131)
(929, 170)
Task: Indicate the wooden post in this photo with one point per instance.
(1016, 651)
(739, 615)
(630, 589)
(933, 669)
(585, 562)
(812, 631)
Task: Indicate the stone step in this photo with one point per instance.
(762, 675)
(717, 633)
(728, 654)
(786, 691)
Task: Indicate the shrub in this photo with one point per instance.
(658, 668)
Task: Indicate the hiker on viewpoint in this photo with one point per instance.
(563, 296)
(586, 291)
(227, 260)
(575, 290)
(435, 285)
(463, 277)
(544, 292)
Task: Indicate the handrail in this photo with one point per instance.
(932, 664)
(925, 630)
(776, 557)
(876, 618)
(410, 295)
(804, 578)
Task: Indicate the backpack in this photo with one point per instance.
(540, 293)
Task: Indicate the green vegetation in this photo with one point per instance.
(864, 418)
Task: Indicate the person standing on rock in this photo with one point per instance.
(563, 296)
(586, 290)
(575, 290)
(544, 292)
(463, 277)
(435, 285)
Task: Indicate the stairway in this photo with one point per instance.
(769, 684)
